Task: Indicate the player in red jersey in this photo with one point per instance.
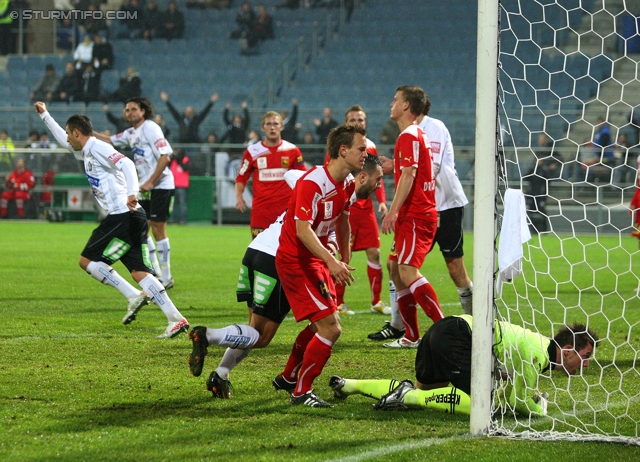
(18, 184)
(412, 217)
(307, 270)
(266, 163)
(364, 228)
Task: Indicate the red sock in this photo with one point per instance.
(340, 294)
(375, 281)
(20, 212)
(315, 357)
(426, 297)
(3, 211)
(297, 353)
(409, 314)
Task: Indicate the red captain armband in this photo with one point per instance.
(160, 143)
(116, 157)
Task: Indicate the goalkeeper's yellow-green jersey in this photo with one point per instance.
(525, 353)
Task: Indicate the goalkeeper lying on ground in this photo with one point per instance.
(444, 357)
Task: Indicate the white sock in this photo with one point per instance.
(154, 289)
(234, 336)
(231, 358)
(164, 257)
(153, 256)
(466, 298)
(107, 275)
(396, 319)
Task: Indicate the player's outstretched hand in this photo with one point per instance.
(214, 97)
(41, 108)
(164, 96)
(341, 272)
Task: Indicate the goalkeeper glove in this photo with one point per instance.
(542, 399)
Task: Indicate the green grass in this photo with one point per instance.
(75, 384)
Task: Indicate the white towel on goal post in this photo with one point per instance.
(513, 234)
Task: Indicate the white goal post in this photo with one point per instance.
(554, 79)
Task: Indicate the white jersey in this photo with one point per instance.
(147, 143)
(111, 174)
(269, 239)
(449, 192)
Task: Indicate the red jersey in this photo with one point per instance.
(367, 203)
(21, 180)
(414, 150)
(318, 199)
(266, 166)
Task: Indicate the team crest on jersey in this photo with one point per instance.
(261, 162)
(285, 162)
(328, 210)
(324, 289)
(299, 160)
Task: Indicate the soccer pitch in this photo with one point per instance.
(75, 384)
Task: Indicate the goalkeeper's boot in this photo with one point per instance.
(280, 383)
(198, 336)
(221, 388)
(395, 399)
(336, 383)
(309, 399)
(134, 305)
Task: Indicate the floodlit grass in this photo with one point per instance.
(75, 384)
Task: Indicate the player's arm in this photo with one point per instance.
(58, 132)
(340, 271)
(246, 168)
(163, 161)
(128, 169)
(407, 177)
(161, 150)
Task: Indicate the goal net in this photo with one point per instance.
(567, 87)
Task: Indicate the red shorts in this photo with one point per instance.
(364, 229)
(309, 288)
(413, 240)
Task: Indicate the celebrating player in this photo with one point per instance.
(266, 163)
(122, 234)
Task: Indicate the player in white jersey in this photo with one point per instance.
(122, 234)
(151, 152)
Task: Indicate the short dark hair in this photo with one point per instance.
(81, 122)
(342, 135)
(354, 108)
(371, 164)
(415, 96)
(427, 106)
(143, 103)
(49, 67)
(577, 335)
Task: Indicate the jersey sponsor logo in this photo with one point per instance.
(429, 185)
(285, 162)
(328, 210)
(272, 174)
(416, 151)
(137, 152)
(262, 162)
(325, 227)
(93, 181)
(116, 157)
(435, 147)
(160, 143)
(243, 169)
(446, 398)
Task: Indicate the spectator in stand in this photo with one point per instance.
(180, 169)
(41, 160)
(129, 87)
(162, 124)
(603, 144)
(263, 26)
(313, 152)
(83, 56)
(102, 52)
(236, 127)
(324, 126)
(625, 162)
(89, 85)
(69, 86)
(18, 184)
(245, 20)
(291, 127)
(389, 132)
(188, 122)
(291, 4)
(47, 85)
(66, 35)
(33, 139)
(152, 20)
(199, 4)
(172, 22)
(253, 138)
(131, 28)
(6, 152)
(94, 24)
(120, 123)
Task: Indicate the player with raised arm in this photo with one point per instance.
(122, 234)
(152, 156)
(260, 287)
(412, 217)
(364, 228)
(307, 270)
(265, 163)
